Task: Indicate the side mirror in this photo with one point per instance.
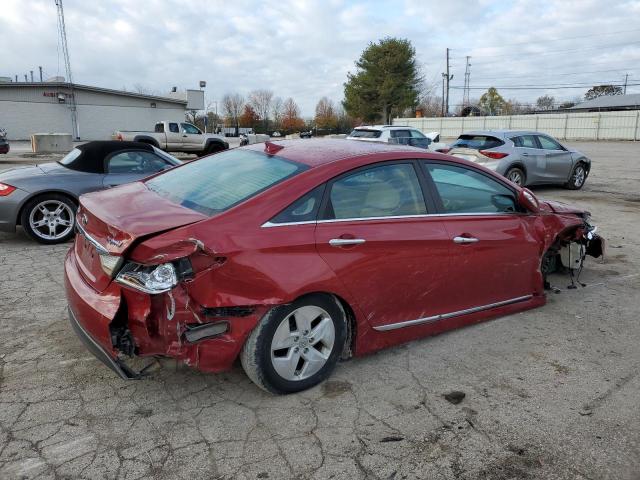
(504, 203)
(528, 200)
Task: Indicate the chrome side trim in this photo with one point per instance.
(393, 217)
(92, 240)
(437, 318)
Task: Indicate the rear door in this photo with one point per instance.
(132, 165)
(494, 257)
(558, 160)
(375, 234)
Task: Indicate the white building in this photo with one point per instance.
(44, 107)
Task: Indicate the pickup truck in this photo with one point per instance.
(176, 137)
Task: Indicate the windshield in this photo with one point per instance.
(70, 157)
(214, 184)
(361, 133)
(477, 142)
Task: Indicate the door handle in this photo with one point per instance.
(184, 136)
(465, 240)
(339, 242)
(525, 154)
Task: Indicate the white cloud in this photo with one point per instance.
(304, 49)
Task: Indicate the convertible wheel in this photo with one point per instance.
(577, 178)
(516, 175)
(296, 346)
(49, 218)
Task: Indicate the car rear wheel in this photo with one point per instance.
(516, 175)
(295, 346)
(577, 178)
(49, 218)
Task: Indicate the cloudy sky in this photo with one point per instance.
(305, 48)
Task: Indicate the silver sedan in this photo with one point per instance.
(43, 198)
(526, 158)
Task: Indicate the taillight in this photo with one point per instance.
(443, 150)
(119, 137)
(6, 189)
(494, 155)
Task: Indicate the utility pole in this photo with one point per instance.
(467, 78)
(31, 71)
(40, 68)
(446, 102)
(67, 63)
(444, 75)
(626, 77)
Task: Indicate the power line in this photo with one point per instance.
(556, 74)
(546, 87)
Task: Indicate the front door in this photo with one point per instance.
(494, 257)
(558, 160)
(375, 234)
(192, 139)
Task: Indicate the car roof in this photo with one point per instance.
(93, 154)
(384, 127)
(319, 151)
(502, 132)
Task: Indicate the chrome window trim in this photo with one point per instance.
(92, 240)
(443, 316)
(269, 224)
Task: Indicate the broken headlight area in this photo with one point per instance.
(154, 279)
(569, 252)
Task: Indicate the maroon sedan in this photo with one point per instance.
(291, 255)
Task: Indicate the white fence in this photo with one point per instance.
(624, 125)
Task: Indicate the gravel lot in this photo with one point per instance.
(550, 393)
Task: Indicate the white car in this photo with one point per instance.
(397, 134)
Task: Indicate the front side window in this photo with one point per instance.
(463, 190)
(362, 133)
(159, 128)
(417, 134)
(188, 128)
(549, 144)
(383, 191)
(214, 184)
(137, 161)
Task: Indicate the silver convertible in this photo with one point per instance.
(44, 198)
(525, 158)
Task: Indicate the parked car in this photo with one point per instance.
(276, 134)
(176, 137)
(397, 134)
(4, 143)
(43, 198)
(293, 254)
(308, 134)
(526, 158)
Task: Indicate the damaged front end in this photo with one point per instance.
(570, 249)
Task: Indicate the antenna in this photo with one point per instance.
(67, 65)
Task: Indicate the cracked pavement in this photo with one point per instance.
(550, 393)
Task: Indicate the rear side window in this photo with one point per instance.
(477, 142)
(463, 190)
(525, 141)
(173, 128)
(305, 209)
(360, 133)
(384, 191)
(214, 184)
(399, 133)
(159, 128)
(136, 161)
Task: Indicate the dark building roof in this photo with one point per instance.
(611, 102)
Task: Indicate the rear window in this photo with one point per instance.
(477, 142)
(361, 133)
(216, 183)
(68, 159)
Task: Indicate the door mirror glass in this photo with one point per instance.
(504, 203)
(528, 200)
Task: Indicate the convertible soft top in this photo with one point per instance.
(91, 160)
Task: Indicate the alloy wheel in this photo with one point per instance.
(579, 176)
(516, 177)
(302, 343)
(51, 219)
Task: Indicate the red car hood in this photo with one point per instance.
(117, 217)
(559, 207)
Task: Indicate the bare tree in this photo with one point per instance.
(233, 107)
(260, 100)
(276, 112)
(144, 90)
(545, 102)
(431, 105)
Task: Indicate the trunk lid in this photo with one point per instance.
(469, 154)
(110, 221)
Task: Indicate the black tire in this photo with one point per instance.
(214, 148)
(68, 215)
(517, 176)
(257, 356)
(578, 177)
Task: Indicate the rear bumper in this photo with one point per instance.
(10, 208)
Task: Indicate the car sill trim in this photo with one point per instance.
(444, 316)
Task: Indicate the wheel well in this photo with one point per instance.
(352, 326)
(148, 141)
(42, 194)
(517, 165)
